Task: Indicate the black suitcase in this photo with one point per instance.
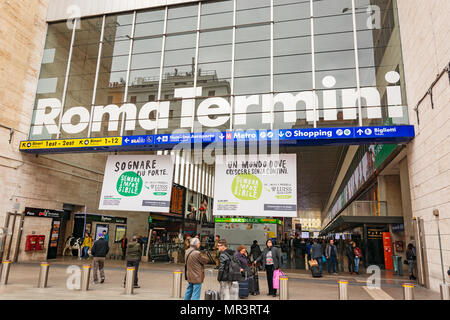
(316, 272)
(253, 282)
(253, 285)
(244, 288)
(211, 295)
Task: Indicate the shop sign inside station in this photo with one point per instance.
(247, 220)
(284, 137)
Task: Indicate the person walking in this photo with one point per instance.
(133, 256)
(241, 257)
(123, 245)
(331, 254)
(99, 251)
(316, 253)
(86, 245)
(411, 258)
(271, 261)
(229, 273)
(358, 255)
(351, 257)
(194, 270)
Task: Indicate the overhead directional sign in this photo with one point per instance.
(293, 137)
(70, 143)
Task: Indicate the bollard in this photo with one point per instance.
(43, 275)
(343, 289)
(284, 288)
(408, 291)
(5, 272)
(129, 282)
(85, 275)
(176, 284)
(445, 291)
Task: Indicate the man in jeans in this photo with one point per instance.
(229, 285)
(331, 254)
(99, 250)
(134, 253)
(195, 270)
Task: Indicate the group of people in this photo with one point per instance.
(233, 266)
(98, 249)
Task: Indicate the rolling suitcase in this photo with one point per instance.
(253, 282)
(244, 288)
(211, 294)
(316, 272)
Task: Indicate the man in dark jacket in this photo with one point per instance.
(331, 254)
(271, 261)
(229, 285)
(316, 253)
(99, 250)
(255, 250)
(351, 257)
(134, 253)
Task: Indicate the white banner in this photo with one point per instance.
(137, 183)
(256, 185)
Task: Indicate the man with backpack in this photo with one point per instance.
(229, 272)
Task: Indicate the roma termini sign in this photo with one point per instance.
(216, 111)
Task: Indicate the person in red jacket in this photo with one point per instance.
(358, 256)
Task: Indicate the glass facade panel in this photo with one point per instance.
(283, 67)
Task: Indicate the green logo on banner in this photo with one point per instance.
(129, 184)
(159, 193)
(246, 187)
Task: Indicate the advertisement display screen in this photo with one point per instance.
(177, 202)
(305, 235)
(137, 183)
(256, 185)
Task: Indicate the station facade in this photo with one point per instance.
(147, 70)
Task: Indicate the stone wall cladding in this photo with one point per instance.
(426, 51)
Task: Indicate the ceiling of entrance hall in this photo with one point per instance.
(317, 169)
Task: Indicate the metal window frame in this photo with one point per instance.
(66, 80)
(233, 60)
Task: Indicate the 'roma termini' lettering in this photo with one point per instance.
(216, 111)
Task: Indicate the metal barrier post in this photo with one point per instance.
(176, 284)
(43, 275)
(129, 283)
(445, 291)
(284, 288)
(343, 289)
(408, 291)
(5, 272)
(85, 275)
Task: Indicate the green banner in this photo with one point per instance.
(382, 152)
(247, 220)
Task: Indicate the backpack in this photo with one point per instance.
(233, 269)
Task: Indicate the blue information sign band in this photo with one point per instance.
(285, 137)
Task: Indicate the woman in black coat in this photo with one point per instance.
(271, 261)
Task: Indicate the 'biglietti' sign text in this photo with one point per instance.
(215, 111)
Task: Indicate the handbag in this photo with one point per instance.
(405, 262)
(276, 278)
(324, 259)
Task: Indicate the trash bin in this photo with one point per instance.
(398, 267)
